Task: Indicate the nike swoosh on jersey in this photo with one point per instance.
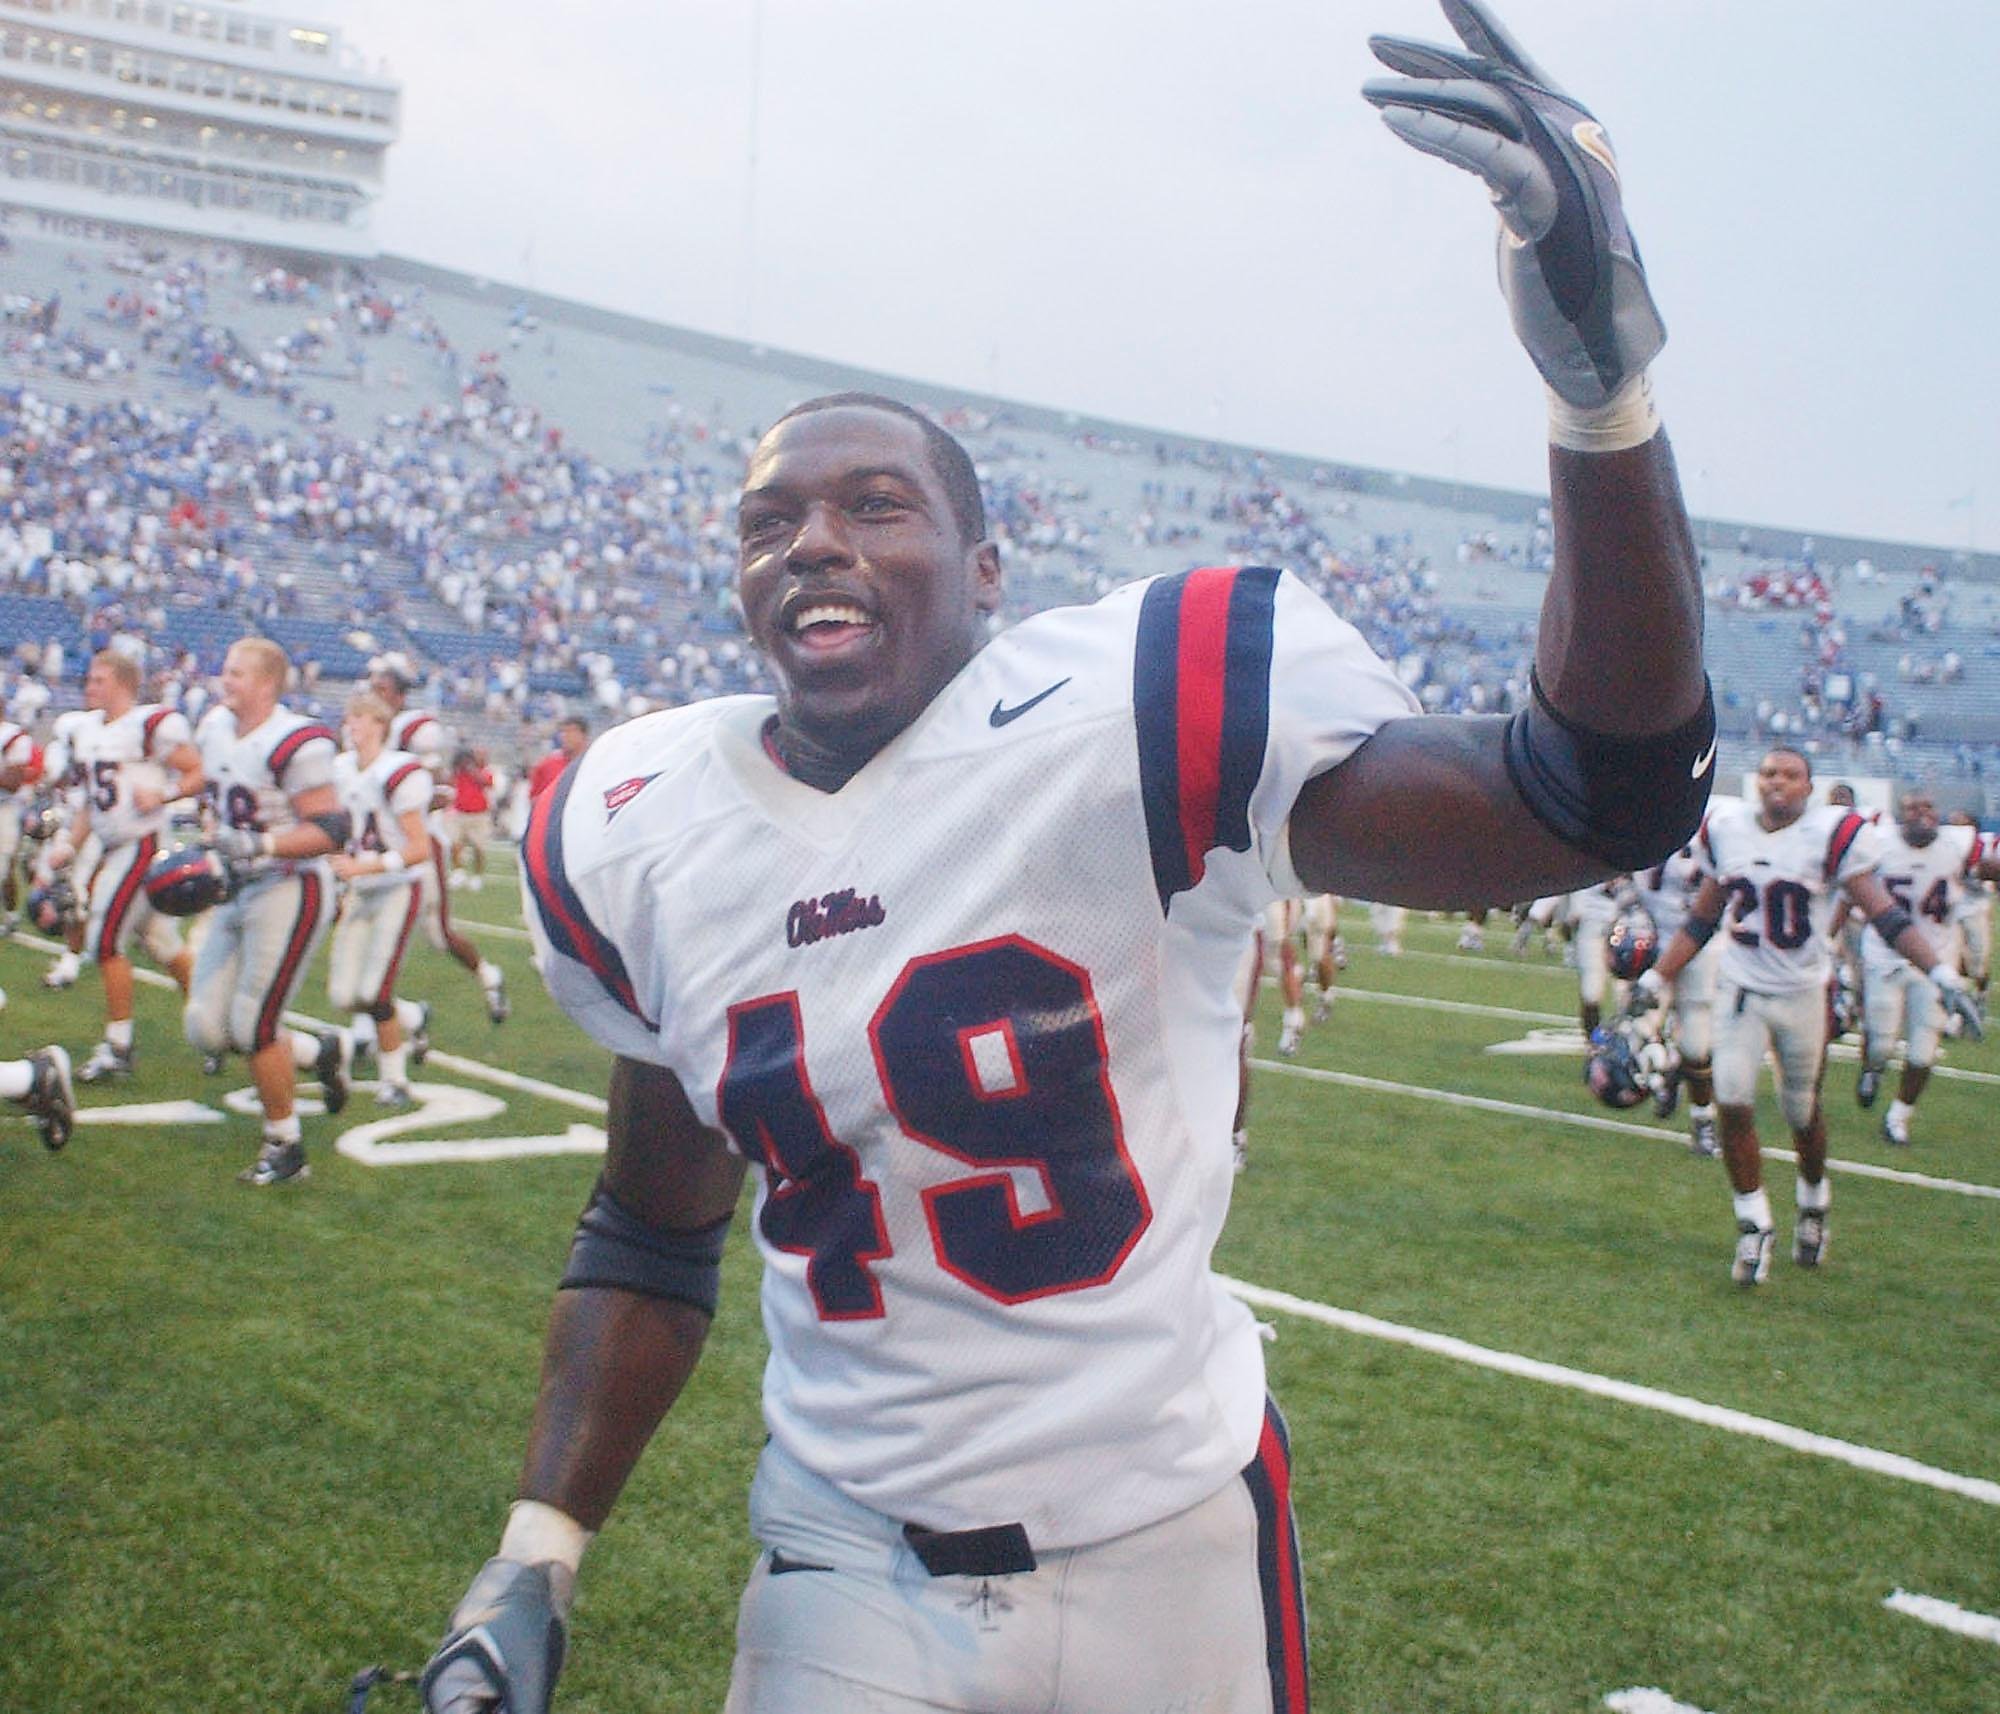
(1703, 762)
(780, 1565)
(1002, 713)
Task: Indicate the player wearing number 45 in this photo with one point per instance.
(940, 941)
(1776, 867)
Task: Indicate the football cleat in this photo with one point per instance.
(106, 1062)
(1322, 1008)
(1809, 1237)
(1868, 1085)
(420, 1037)
(212, 1064)
(1288, 1040)
(1896, 1129)
(497, 1006)
(331, 1067)
(1339, 953)
(1754, 1245)
(1239, 1152)
(396, 1097)
(50, 1099)
(1704, 1142)
(277, 1163)
(63, 973)
(1471, 938)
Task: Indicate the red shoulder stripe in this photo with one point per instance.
(291, 745)
(399, 776)
(1844, 836)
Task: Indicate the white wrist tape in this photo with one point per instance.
(537, 1533)
(392, 861)
(1626, 419)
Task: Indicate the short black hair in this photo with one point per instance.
(950, 460)
(1790, 750)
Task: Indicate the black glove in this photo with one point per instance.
(1569, 268)
(505, 1645)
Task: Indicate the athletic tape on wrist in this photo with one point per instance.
(537, 1533)
(1626, 419)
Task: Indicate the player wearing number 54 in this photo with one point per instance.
(940, 940)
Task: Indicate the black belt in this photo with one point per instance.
(994, 1551)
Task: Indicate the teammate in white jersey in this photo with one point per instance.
(64, 771)
(1591, 912)
(1927, 870)
(1667, 890)
(387, 794)
(1975, 917)
(270, 779)
(941, 938)
(20, 767)
(134, 759)
(1778, 866)
(418, 732)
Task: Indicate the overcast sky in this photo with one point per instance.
(1183, 215)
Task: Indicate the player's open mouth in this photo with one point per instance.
(826, 626)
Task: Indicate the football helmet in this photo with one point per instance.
(189, 880)
(1612, 1069)
(1632, 943)
(54, 907)
(42, 821)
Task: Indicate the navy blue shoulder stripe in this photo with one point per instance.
(564, 918)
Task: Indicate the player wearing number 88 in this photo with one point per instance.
(1772, 870)
(940, 939)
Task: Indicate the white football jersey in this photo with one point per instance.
(1928, 881)
(972, 1016)
(60, 765)
(1781, 884)
(417, 732)
(1667, 889)
(116, 757)
(376, 798)
(253, 778)
(1593, 908)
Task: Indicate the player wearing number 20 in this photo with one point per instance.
(940, 941)
(1772, 871)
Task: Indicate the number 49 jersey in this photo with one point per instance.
(972, 1016)
(1781, 884)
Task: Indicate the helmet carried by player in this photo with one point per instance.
(54, 907)
(1612, 1068)
(1632, 943)
(189, 880)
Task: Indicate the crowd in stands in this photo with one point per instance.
(536, 579)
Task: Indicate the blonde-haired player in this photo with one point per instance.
(387, 794)
(270, 774)
(132, 759)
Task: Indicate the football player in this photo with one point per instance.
(133, 759)
(270, 781)
(1591, 911)
(387, 794)
(1776, 866)
(20, 767)
(1666, 890)
(1975, 917)
(1281, 935)
(416, 732)
(1322, 915)
(940, 938)
(1927, 870)
(64, 770)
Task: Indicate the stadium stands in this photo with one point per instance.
(534, 498)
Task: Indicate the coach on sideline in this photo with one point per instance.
(941, 938)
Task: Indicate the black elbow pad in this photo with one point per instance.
(612, 1248)
(1628, 802)
(337, 825)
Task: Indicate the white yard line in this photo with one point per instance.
(1594, 1122)
(1646, 1700)
(1867, 1458)
(1946, 1615)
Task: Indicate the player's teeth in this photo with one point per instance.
(829, 615)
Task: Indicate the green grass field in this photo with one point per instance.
(250, 1442)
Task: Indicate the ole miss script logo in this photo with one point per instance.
(830, 914)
